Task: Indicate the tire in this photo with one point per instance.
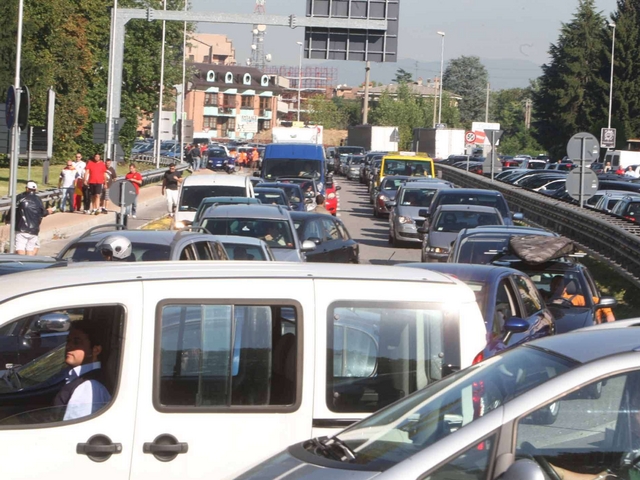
(594, 391)
(546, 415)
(375, 213)
(395, 242)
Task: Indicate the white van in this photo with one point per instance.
(622, 158)
(196, 187)
(213, 367)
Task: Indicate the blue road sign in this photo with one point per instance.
(10, 112)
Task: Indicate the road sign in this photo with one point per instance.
(115, 192)
(470, 137)
(441, 126)
(493, 136)
(10, 107)
(353, 43)
(583, 146)
(589, 183)
(395, 136)
(608, 138)
(99, 133)
(25, 107)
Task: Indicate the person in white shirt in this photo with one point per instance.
(83, 393)
(80, 165)
(67, 183)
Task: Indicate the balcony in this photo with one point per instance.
(227, 110)
(211, 111)
(265, 113)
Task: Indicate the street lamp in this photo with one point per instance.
(299, 77)
(613, 46)
(441, 73)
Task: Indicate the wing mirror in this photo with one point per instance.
(52, 322)
(423, 212)
(315, 240)
(308, 246)
(391, 204)
(607, 302)
(514, 325)
(524, 469)
(517, 216)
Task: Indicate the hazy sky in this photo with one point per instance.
(499, 29)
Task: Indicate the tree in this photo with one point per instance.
(508, 109)
(325, 112)
(351, 109)
(405, 111)
(467, 77)
(402, 76)
(572, 93)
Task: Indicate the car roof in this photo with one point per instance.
(308, 215)
(467, 191)
(268, 190)
(86, 273)
(591, 344)
(395, 177)
(470, 208)
(246, 211)
(422, 184)
(280, 185)
(232, 180)
(467, 271)
(160, 237)
(239, 239)
(505, 229)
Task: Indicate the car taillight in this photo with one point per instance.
(633, 219)
(478, 358)
(477, 391)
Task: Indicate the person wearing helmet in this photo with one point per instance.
(114, 248)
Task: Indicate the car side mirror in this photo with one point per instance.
(52, 322)
(517, 216)
(338, 188)
(308, 246)
(315, 240)
(423, 212)
(423, 230)
(391, 204)
(514, 325)
(524, 469)
(607, 302)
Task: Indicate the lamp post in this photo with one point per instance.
(299, 78)
(441, 73)
(613, 46)
(160, 100)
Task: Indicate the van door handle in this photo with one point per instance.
(99, 448)
(165, 447)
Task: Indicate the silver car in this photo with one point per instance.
(404, 211)
(522, 415)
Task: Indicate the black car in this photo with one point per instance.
(14, 263)
(333, 242)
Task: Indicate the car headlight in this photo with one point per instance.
(179, 225)
(383, 198)
(405, 220)
(331, 196)
(438, 250)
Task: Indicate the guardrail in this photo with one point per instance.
(612, 239)
(143, 158)
(51, 198)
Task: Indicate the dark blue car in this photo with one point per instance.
(217, 158)
(293, 192)
(514, 312)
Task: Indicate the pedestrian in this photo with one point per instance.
(29, 214)
(136, 179)
(195, 154)
(81, 166)
(619, 170)
(109, 176)
(320, 208)
(170, 182)
(67, 184)
(607, 167)
(94, 176)
(631, 173)
(255, 157)
(78, 193)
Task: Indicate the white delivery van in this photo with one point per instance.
(210, 367)
(196, 187)
(622, 158)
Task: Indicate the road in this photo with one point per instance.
(371, 233)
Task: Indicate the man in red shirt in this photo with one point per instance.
(136, 179)
(94, 176)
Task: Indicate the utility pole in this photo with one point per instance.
(527, 113)
(161, 100)
(365, 109)
(486, 112)
(184, 85)
(108, 147)
(613, 53)
(436, 89)
(441, 77)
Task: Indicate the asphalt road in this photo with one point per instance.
(371, 233)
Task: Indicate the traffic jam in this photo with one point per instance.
(252, 339)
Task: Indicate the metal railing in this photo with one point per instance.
(51, 198)
(611, 238)
(146, 158)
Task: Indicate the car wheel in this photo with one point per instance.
(594, 391)
(375, 212)
(547, 415)
(395, 242)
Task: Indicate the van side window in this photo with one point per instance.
(216, 356)
(38, 380)
(380, 353)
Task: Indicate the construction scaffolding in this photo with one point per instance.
(312, 80)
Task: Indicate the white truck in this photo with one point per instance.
(374, 139)
(438, 143)
(622, 158)
(311, 134)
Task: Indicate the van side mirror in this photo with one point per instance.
(52, 322)
(524, 469)
(423, 212)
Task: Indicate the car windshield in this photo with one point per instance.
(291, 167)
(417, 197)
(456, 221)
(495, 201)
(270, 198)
(431, 414)
(217, 153)
(239, 251)
(350, 150)
(356, 161)
(192, 195)
(481, 250)
(276, 233)
(140, 252)
(407, 167)
(308, 187)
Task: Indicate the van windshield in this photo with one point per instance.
(193, 195)
(402, 430)
(291, 167)
(276, 233)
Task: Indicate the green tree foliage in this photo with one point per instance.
(406, 112)
(66, 46)
(573, 94)
(351, 109)
(402, 76)
(508, 109)
(323, 111)
(467, 77)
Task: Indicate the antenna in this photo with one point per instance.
(258, 59)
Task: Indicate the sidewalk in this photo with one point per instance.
(57, 229)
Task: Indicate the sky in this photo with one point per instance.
(490, 29)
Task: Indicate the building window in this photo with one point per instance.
(265, 103)
(229, 101)
(231, 124)
(247, 101)
(209, 122)
(211, 99)
(264, 125)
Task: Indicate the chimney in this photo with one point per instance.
(420, 81)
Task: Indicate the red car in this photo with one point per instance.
(331, 200)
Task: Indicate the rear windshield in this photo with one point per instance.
(456, 221)
(270, 198)
(481, 251)
(495, 201)
(192, 195)
(276, 233)
(417, 197)
(350, 150)
(238, 251)
(140, 252)
(392, 184)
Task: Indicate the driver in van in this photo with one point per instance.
(83, 393)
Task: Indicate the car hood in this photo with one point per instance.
(287, 254)
(441, 239)
(285, 466)
(408, 211)
(571, 318)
